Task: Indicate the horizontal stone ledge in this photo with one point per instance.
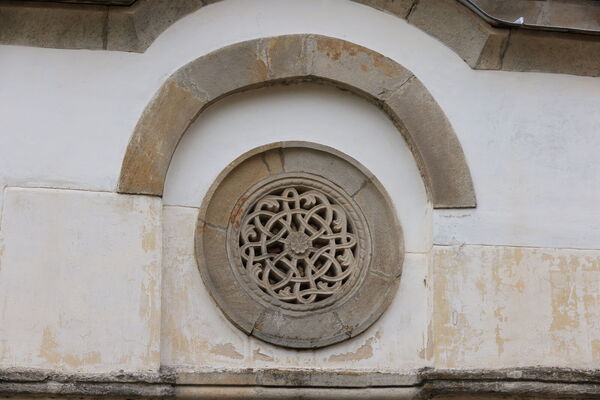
(284, 384)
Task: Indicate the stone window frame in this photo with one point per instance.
(348, 315)
(292, 59)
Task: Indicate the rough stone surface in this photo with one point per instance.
(155, 137)
(226, 195)
(388, 242)
(354, 66)
(460, 29)
(552, 52)
(582, 14)
(367, 304)
(225, 71)
(246, 65)
(52, 25)
(349, 178)
(308, 331)
(134, 28)
(285, 384)
(286, 56)
(240, 308)
(430, 135)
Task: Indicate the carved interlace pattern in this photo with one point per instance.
(298, 244)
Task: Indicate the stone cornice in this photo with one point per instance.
(283, 384)
(460, 24)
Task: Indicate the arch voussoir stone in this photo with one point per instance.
(299, 58)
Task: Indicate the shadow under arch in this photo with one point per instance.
(291, 59)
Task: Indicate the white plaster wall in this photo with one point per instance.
(530, 139)
(80, 281)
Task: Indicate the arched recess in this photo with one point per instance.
(291, 59)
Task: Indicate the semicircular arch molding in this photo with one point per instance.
(293, 59)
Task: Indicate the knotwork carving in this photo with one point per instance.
(299, 243)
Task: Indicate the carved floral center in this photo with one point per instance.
(298, 242)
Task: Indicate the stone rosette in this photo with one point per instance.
(299, 245)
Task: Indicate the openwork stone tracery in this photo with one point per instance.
(299, 242)
(298, 245)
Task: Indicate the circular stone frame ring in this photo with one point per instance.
(299, 245)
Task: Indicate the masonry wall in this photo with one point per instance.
(94, 281)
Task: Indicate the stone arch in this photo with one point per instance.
(292, 59)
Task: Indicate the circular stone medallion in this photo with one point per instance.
(299, 245)
(299, 242)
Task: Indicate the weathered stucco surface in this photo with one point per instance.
(80, 281)
(515, 306)
(195, 334)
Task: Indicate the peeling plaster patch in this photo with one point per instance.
(149, 239)
(362, 353)
(596, 351)
(48, 348)
(226, 350)
(261, 356)
(515, 306)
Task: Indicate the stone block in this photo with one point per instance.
(52, 25)
(134, 28)
(155, 138)
(458, 28)
(286, 56)
(386, 236)
(320, 163)
(227, 70)
(367, 304)
(348, 64)
(224, 198)
(302, 331)
(242, 310)
(80, 281)
(432, 138)
(530, 50)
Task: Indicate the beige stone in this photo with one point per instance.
(367, 304)
(242, 311)
(260, 62)
(350, 65)
(228, 192)
(458, 28)
(530, 50)
(345, 175)
(430, 135)
(155, 137)
(52, 25)
(134, 28)
(225, 71)
(286, 56)
(386, 236)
